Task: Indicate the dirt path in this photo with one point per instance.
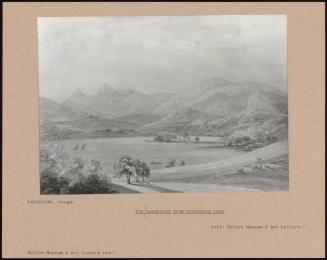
(200, 187)
(173, 187)
(144, 187)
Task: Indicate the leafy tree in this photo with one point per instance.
(94, 166)
(78, 163)
(182, 163)
(124, 167)
(53, 162)
(128, 167)
(171, 163)
(144, 171)
(197, 138)
(55, 155)
(138, 169)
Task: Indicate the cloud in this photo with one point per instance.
(157, 54)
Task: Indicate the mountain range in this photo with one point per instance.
(214, 106)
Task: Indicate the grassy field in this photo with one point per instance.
(227, 171)
(109, 150)
(263, 179)
(208, 168)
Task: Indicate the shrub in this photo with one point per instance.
(93, 184)
(94, 166)
(159, 138)
(241, 171)
(78, 163)
(52, 183)
(171, 163)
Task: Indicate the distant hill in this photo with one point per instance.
(217, 107)
(140, 119)
(214, 106)
(111, 103)
(51, 110)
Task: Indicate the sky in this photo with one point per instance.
(159, 53)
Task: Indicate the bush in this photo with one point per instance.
(52, 183)
(182, 163)
(78, 163)
(171, 163)
(94, 166)
(241, 171)
(93, 184)
(159, 138)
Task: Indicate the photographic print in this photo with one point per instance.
(163, 104)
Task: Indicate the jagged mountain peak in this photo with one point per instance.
(214, 106)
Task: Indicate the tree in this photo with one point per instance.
(94, 166)
(78, 163)
(197, 138)
(145, 171)
(124, 167)
(159, 138)
(138, 169)
(53, 162)
(171, 163)
(128, 167)
(182, 163)
(185, 135)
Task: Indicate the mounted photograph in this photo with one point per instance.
(163, 104)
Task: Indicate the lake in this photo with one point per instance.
(109, 150)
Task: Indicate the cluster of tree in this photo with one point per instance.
(186, 136)
(164, 137)
(266, 138)
(127, 166)
(248, 144)
(172, 163)
(262, 164)
(169, 137)
(63, 174)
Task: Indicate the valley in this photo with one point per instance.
(217, 136)
(214, 107)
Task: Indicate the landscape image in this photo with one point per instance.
(166, 104)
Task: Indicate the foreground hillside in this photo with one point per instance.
(235, 171)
